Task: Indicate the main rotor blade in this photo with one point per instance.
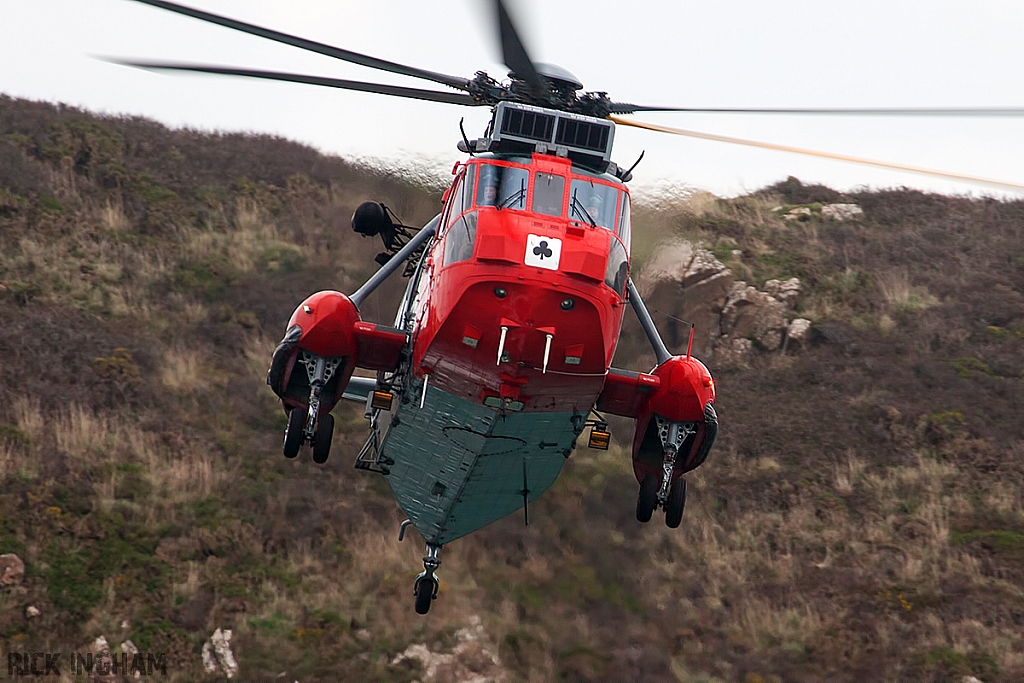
(1000, 184)
(336, 52)
(513, 52)
(626, 108)
(379, 88)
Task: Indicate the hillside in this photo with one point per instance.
(860, 518)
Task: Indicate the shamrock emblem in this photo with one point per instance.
(542, 250)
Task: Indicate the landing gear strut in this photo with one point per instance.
(303, 428)
(425, 588)
(664, 493)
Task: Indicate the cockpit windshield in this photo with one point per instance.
(502, 186)
(548, 192)
(590, 201)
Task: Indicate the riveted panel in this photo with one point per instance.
(459, 466)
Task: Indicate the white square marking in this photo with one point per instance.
(543, 252)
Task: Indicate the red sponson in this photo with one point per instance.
(686, 387)
(327, 320)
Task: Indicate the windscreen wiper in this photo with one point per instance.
(513, 198)
(576, 206)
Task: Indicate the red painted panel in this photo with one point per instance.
(626, 393)
(379, 349)
(572, 303)
(327, 319)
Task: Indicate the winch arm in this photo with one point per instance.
(396, 261)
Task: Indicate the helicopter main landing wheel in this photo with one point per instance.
(293, 433)
(648, 498)
(322, 438)
(426, 592)
(675, 504)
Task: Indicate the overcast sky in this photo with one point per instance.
(789, 53)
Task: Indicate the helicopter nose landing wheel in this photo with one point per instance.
(425, 588)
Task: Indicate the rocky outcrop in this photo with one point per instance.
(733, 320)
(683, 282)
(217, 654)
(754, 315)
(798, 333)
(131, 652)
(827, 212)
(841, 212)
(103, 663)
(472, 660)
(731, 352)
(12, 570)
(800, 213)
(787, 291)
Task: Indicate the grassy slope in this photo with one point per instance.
(861, 518)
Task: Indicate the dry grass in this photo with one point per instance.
(183, 371)
(900, 294)
(821, 533)
(113, 217)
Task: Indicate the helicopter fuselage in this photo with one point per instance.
(522, 304)
(515, 313)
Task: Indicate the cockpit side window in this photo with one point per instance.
(625, 229)
(460, 239)
(617, 272)
(460, 234)
(462, 195)
(590, 201)
(502, 186)
(548, 193)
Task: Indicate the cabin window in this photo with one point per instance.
(462, 194)
(502, 186)
(548, 193)
(625, 229)
(460, 238)
(593, 202)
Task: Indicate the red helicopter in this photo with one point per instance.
(499, 357)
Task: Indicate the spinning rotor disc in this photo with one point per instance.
(544, 85)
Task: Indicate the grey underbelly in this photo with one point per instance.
(459, 466)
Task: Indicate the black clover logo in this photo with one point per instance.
(542, 250)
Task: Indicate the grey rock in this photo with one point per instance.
(217, 653)
(687, 283)
(472, 660)
(732, 353)
(12, 570)
(801, 213)
(755, 315)
(787, 291)
(841, 212)
(798, 333)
